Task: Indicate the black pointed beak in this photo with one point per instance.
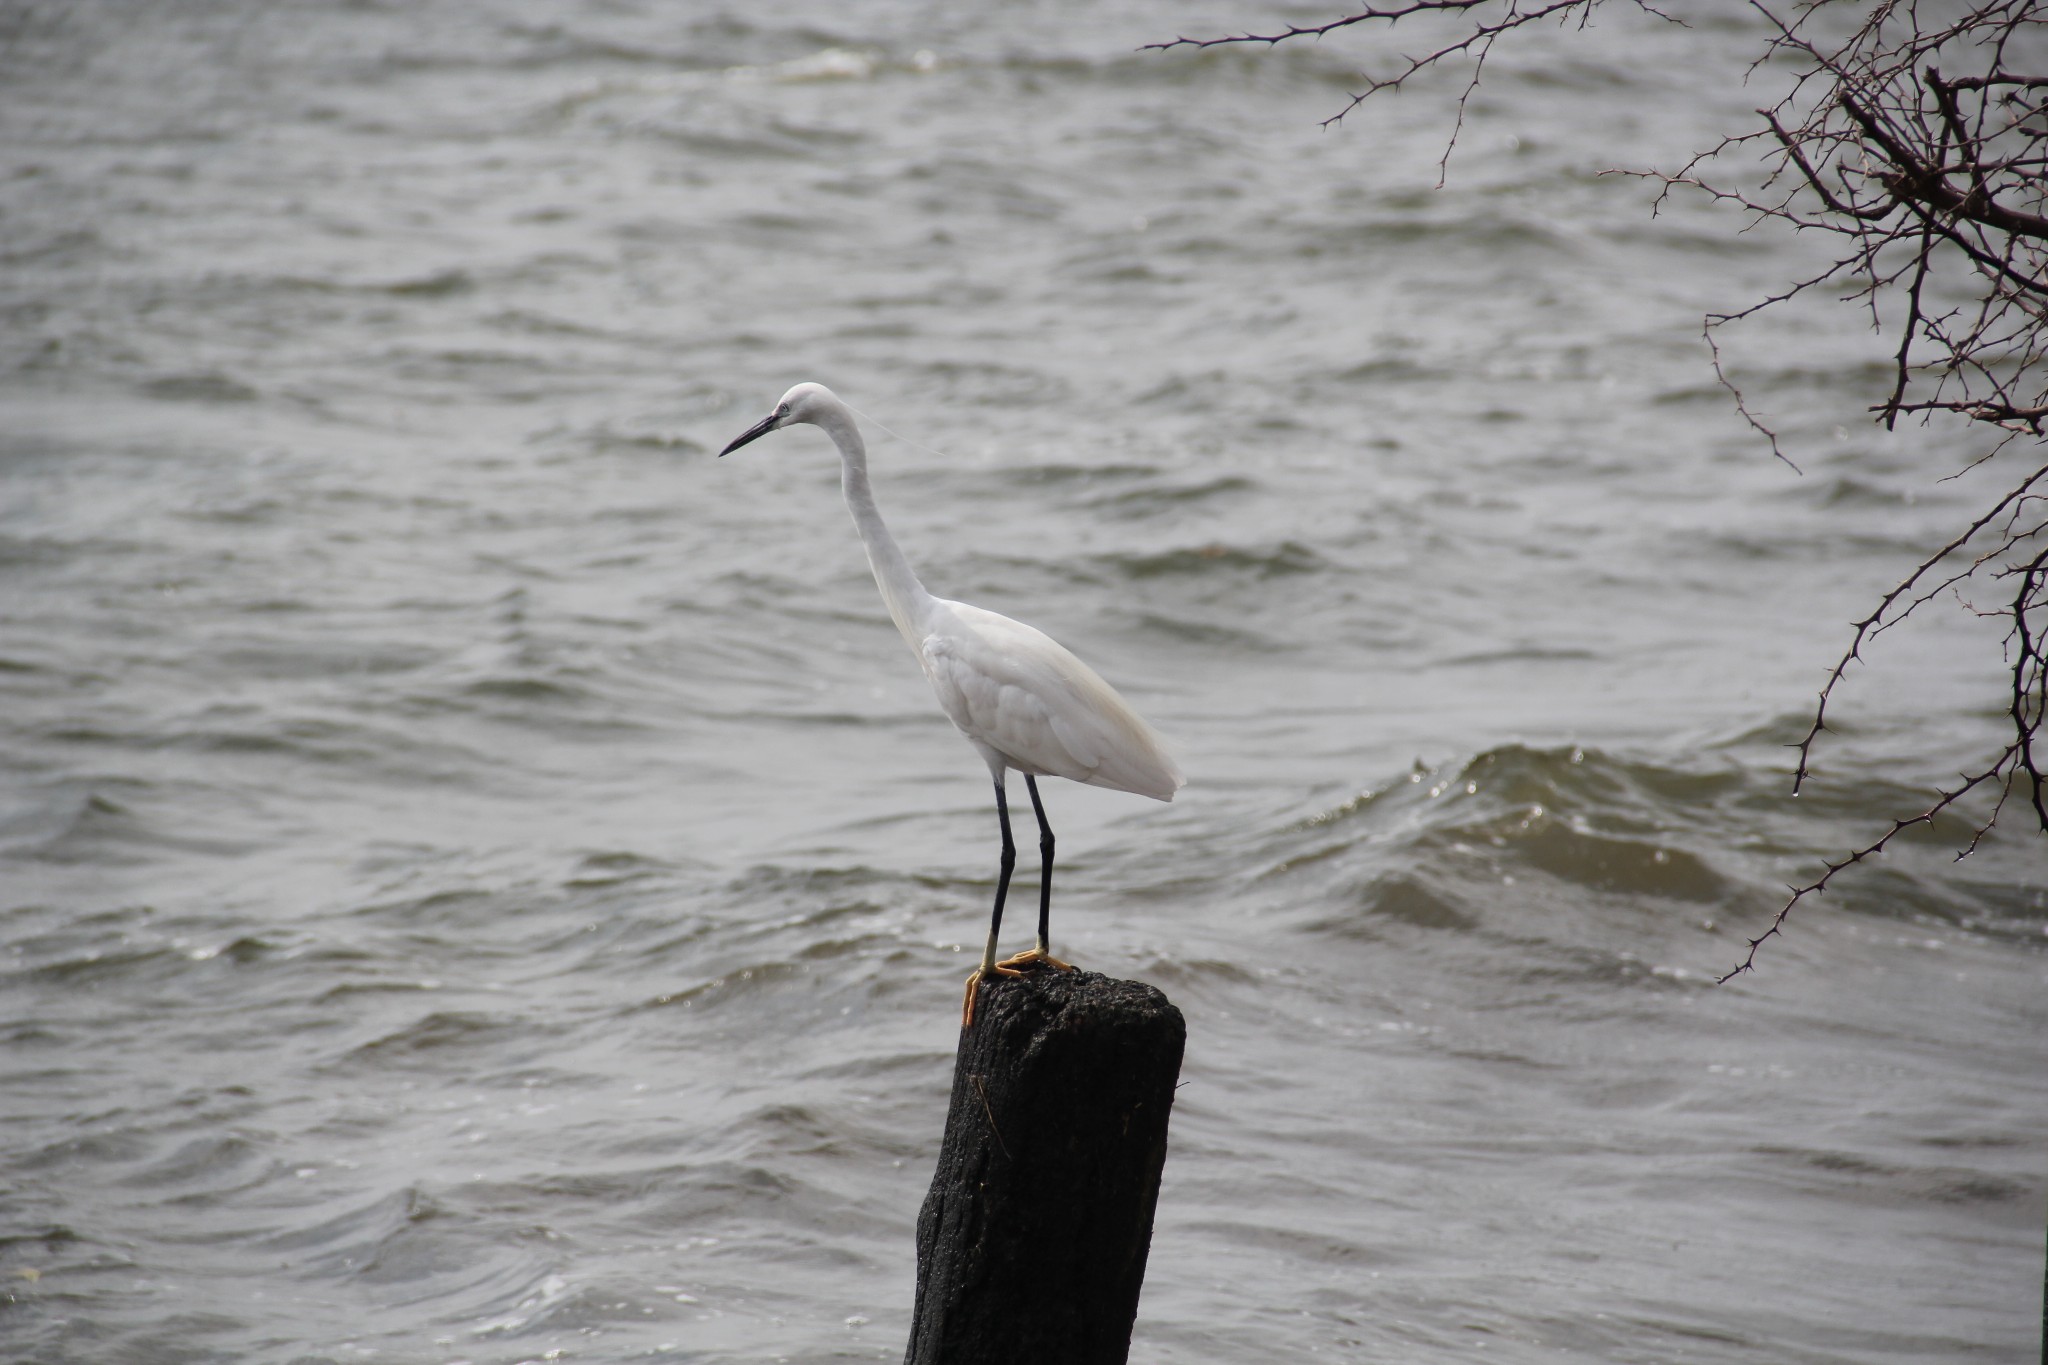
(754, 432)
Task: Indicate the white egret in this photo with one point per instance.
(1021, 698)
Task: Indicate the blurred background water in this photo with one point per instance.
(482, 881)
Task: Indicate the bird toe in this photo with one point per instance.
(1033, 957)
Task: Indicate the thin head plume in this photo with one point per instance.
(878, 426)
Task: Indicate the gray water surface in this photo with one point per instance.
(481, 880)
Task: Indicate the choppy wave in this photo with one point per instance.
(1517, 828)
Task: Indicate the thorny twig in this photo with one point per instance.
(1944, 800)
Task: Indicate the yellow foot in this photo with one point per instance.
(974, 988)
(1031, 958)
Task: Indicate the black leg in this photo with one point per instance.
(995, 920)
(995, 923)
(1044, 866)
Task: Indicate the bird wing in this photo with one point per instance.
(1018, 691)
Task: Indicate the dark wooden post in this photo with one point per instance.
(1031, 1244)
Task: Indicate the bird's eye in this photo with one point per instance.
(781, 411)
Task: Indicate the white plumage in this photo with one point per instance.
(1022, 699)
(1014, 689)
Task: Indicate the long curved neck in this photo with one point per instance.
(908, 602)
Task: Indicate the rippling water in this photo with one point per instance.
(482, 882)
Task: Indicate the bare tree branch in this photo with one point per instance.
(1936, 187)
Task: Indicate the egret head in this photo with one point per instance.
(804, 403)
